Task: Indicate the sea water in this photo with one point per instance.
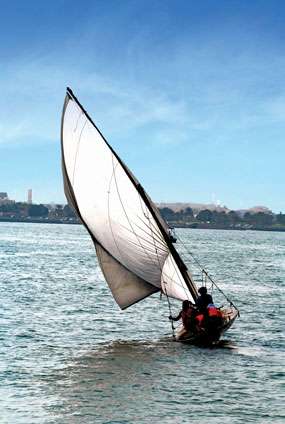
(69, 355)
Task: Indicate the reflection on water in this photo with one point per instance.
(69, 355)
(120, 380)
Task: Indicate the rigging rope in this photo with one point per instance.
(170, 312)
(146, 214)
(205, 273)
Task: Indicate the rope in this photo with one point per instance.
(206, 275)
(146, 214)
(170, 313)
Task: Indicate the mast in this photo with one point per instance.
(157, 218)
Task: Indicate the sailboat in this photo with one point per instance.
(134, 245)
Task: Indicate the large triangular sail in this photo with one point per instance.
(132, 241)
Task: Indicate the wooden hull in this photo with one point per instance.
(208, 336)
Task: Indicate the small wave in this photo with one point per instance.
(249, 351)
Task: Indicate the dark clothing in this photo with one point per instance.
(203, 301)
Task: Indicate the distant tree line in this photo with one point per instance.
(222, 218)
(185, 217)
(21, 210)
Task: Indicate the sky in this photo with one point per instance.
(190, 94)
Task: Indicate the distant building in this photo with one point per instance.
(30, 196)
(4, 199)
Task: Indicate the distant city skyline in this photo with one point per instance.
(190, 94)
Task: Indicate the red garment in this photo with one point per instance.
(199, 319)
(214, 312)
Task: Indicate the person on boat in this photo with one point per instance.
(214, 317)
(199, 322)
(186, 314)
(203, 300)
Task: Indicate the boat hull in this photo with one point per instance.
(208, 336)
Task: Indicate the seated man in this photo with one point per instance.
(214, 317)
(203, 300)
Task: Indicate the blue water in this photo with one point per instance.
(69, 355)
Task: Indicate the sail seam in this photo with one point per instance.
(117, 188)
(109, 217)
(151, 226)
(162, 246)
(158, 261)
(77, 151)
(79, 116)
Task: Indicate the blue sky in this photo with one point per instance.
(190, 93)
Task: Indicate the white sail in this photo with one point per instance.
(130, 236)
(125, 286)
(172, 282)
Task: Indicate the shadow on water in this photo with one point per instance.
(125, 375)
(109, 380)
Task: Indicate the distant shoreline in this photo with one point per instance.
(39, 221)
(222, 227)
(199, 226)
